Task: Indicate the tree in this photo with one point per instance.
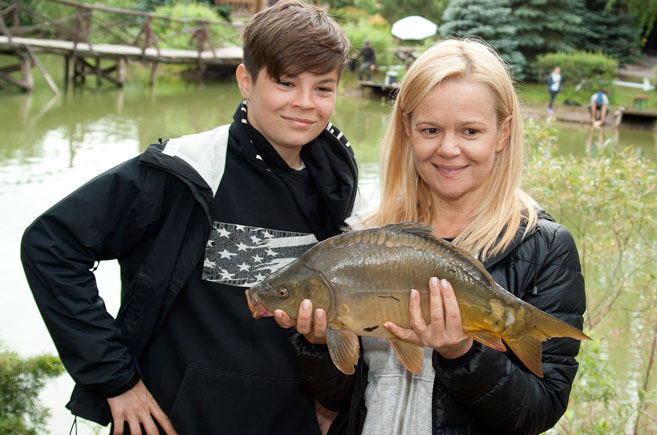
(393, 10)
(492, 21)
(611, 32)
(547, 26)
(645, 12)
(21, 380)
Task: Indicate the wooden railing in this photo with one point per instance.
(89, 25)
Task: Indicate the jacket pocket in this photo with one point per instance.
(212, 401)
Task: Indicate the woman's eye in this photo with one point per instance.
(282, 292)
(471, 131)
(430, 130)
(284, 83)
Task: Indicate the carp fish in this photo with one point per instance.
(363, 278)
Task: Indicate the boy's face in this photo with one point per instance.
(289, 112)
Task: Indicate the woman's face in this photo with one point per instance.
(455, 136)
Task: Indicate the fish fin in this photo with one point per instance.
(549, 326)
(529, 350)
(416, 228)
(488, 339)
(344, 348)
(410, 354)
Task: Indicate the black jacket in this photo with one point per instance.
(485, 391)
(154, 214)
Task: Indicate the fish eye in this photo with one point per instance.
(282, 292)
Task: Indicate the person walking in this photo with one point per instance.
(554, 87)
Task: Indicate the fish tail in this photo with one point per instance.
(528, 348)
(548, 326)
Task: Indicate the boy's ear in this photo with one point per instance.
(243, 80)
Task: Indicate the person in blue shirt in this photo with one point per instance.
(599, 104)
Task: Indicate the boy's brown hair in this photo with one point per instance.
(292, 37)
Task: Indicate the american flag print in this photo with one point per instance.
(241, 255)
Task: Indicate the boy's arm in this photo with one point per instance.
(58, 251)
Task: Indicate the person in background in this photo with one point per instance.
(554, 87)
(452, 158)
(194, 221)
(599, 103)
(368, 62)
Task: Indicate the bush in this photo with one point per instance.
(21, 380)
(377, 33)
(578, 67)
(608, 201)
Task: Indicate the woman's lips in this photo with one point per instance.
(450, 171)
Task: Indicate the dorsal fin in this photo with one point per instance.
(416, 228)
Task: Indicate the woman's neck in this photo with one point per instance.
(451, 217)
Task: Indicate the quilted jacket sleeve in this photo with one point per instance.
(495, 387)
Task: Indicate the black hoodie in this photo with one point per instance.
(184, 325)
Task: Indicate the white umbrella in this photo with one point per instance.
(413, 27)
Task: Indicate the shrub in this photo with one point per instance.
(21, 380)
(578, 67)
(608, 201)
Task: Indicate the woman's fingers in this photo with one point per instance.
(451, 309)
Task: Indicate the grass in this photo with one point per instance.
(535, 94)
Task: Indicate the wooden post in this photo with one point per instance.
(121, 70)
(98, 72)
(67, 71)
(43, 70)
(151, 81)
(26, 72)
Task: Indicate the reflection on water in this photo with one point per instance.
(579, 139)
(51, 146)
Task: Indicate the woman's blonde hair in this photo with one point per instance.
(405, 197)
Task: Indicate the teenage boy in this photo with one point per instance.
(193, 222)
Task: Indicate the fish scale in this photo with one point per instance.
(363, 278)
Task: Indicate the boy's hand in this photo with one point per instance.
(313, 329)
(137, 408)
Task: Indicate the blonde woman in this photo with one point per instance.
(452, 158)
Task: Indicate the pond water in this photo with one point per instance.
(52, 145)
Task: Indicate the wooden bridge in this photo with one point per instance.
(133, 35)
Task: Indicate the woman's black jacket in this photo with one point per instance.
(485, 391)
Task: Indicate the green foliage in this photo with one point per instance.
(492, 21)
(21, 380)
(611, 32)
(645, 12)
(181, 35)
(608, 201)
(547, 26)
(393, 10)
(578, 66)
(380, 37)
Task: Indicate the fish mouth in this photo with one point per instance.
(257, 308)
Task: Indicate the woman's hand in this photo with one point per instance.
(313, 329)
(445, 332)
